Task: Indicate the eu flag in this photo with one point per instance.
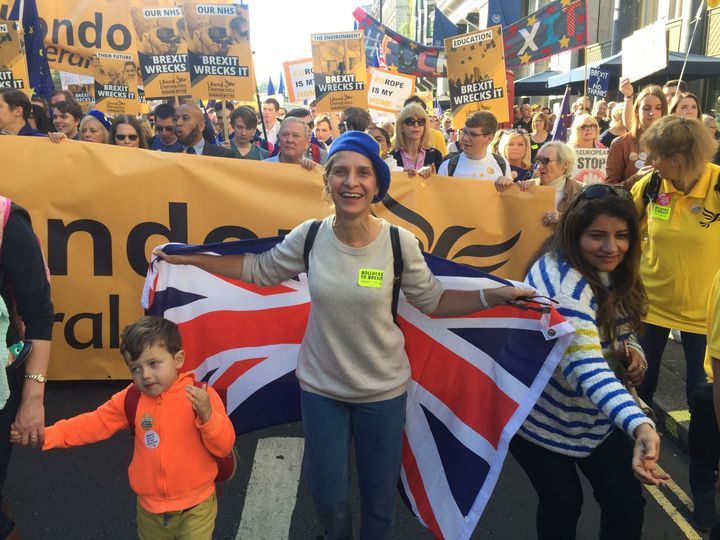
(503, 12)
(443, 28)
(38, 70)
(564, 121)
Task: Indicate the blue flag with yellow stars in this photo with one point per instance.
(564, 120)
(38, 70)
(557, 27)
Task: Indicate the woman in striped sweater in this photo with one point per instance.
(586, 417)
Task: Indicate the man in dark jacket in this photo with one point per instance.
(14, 114)
(189, 125)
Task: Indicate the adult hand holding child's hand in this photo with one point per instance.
(200, 400)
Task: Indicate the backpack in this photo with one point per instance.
(226, 466)
(397, 260)
(453, 161)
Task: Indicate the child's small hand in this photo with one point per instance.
(200, 400)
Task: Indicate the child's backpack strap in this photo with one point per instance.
(309, 241)
(132, 398)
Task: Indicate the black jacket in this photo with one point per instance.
(216, 151)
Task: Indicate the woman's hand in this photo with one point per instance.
(630, 182)
(410, 172)
(57, 137)
(504, 295)
(426, 172)
(171, 259)
(30, 421)
(525, 185)
(637, 367)
(502, 182)
(646, 454)
(550, 219)
(626, 87)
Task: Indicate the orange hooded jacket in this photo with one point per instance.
(173, 467)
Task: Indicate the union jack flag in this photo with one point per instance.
(474, 378)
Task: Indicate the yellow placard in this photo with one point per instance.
(476, 74)
(219, 54)
(84, 95)
(100, 216)
(162, 51)
(116, 90)
(299, 80)
(340, 72)
(13, 65)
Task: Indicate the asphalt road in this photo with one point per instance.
(82, 493)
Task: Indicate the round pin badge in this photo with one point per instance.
(642, 156)
(639, 164)
(146, 423)
(633, 156)
(695, 209)
(664, 199)
(152, 439)
(490, 170)
(514, 175)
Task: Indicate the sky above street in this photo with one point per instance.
(280, 29)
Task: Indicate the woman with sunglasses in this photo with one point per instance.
(352, 365)
(586, 418)
(626, 163)
(412, 143)
(585, 132)
(126, 131)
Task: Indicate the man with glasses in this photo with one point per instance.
(165, 139)
(475, 161)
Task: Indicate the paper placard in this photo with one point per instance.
(388, 91)
(590, 165)
(340, 72)
(13, 65)
(300, 80)
(644, 52)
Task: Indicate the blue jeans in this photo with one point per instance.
(653, 341)
(330, 426)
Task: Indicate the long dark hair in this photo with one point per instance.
(627, 296)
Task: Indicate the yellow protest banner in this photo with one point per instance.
(219, 54)
(340, 72)
(99, 220)
(388, 90)
(300, 80)
(84, 94)
(476, 74)
(13, 65)
(116, 89)
(162, 51)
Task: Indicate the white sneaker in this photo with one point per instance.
(675, 335)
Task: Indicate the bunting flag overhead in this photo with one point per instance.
(474, 378)
(557, 27)
(399, 53)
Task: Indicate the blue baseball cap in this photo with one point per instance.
(362, 143)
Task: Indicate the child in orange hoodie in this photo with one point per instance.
(179, 429)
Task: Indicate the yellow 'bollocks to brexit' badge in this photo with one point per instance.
(370, 277)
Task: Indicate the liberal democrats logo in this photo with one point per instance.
(709, 218)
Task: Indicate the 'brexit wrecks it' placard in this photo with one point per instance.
(340, 72)
(476, 74)
(115, 83)
(219, 54)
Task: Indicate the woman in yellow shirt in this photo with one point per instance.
(681, 252)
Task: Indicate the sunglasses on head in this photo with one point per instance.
(412, 121)
(121, 137)
(598, 191)
(521, 131)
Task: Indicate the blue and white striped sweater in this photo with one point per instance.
(584, 400)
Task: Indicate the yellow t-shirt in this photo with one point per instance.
(681, 251)
(437, 141)
(713, 327)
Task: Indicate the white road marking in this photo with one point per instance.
(272, 489)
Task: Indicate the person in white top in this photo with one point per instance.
(476, 161)
(270, 111)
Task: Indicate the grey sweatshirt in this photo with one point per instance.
(352, 350)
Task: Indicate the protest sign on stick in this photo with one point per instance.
(84, 94)
(300, 80)
(644, 52)
(590, 165)
(162, 51)
(340, 72)
(476, 74)
(219, 54)
(13, 64)
(598, 82)
(388, 91)
(115, 83)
